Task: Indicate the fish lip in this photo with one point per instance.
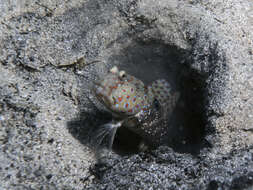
(96, 87)
(106, 103)
(100, 95)
(96, 84)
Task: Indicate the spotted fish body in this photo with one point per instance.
(143, 109)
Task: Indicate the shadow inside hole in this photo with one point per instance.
(85, 127)
(148, 62)
(152, 61)
(188, 122)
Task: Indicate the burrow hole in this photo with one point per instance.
(158, 61)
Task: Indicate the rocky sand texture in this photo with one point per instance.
(51, 51)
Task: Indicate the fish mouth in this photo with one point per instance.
(100, 93)
(98, 88)
(102, 96)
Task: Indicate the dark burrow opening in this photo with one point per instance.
(149, 62)
(153, 61)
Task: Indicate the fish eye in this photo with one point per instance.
(123, 77)
(122, 74)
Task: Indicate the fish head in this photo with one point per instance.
(121, 93)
